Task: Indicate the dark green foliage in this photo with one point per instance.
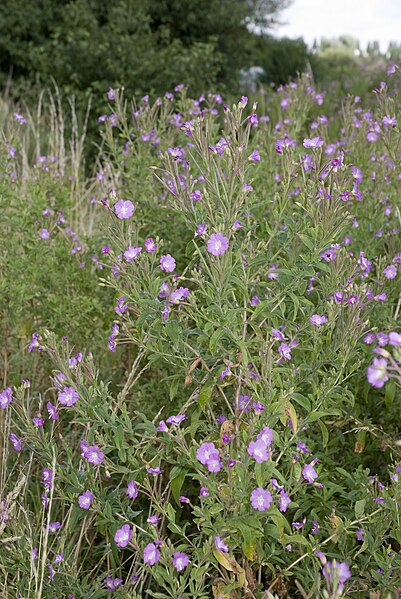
(89, 45)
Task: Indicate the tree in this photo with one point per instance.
(145, 45)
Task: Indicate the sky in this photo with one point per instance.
(367, 20)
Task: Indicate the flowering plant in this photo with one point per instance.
(250, 319)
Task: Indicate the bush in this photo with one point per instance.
(252, 449)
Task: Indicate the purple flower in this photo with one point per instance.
(167, 263)
(377, 372)
(132, 490)
(204, 492)
(52, 410)
(261, 499)
(16, 442)
(364, 263)
(75, 360)
(369, 338)
(59, 378)
(132, 252)
(195, 195)
(179, 294)
(123, 536)
(336, 574)
(220, 544)
(200, 231)
(85, 500)
(39, 422)
(111, 94)
(150, 245)
(214, 463)
(382, 338)
(162, 427)
(59, 558)
(277, 334)
(47, 478)
(184, 499)
(151, 554)
(276, 485)
(359, 535)
(180, 561)
(34, 344)
(54, 526)
(217, 244)
(390, 272)
(284, 501)
(112, 583)
(153, 519)
(124, 209)
(6, 397)
(318, 320)
(285, 351)
(302, 448)
(205, 451)
(254, 157)
(389, 121)
(309, 473)
(120, 308)
(254, 301)
(93, 455)
(45, 500)
(164, 290)
(273, 275)
(394, 339)
(258, 407)
(315, 142)
(226, 371)
(21, 120)
(237, 225)
(259, 451)
(266, 435)
(44, 234)
(68, 396)
(176, 420)
(154, 470)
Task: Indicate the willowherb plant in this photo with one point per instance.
(252, 302)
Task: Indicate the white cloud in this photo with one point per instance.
(367, 20)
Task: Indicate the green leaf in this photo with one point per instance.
(360, 508)
(170, 512)
(389, 393)
(173, 331)
(249, 529)
(174, 387)
(214, 340)
(302, 401)
(324, 431)
(280, 521)
(297, 471)
(259, 474)
(285, 539)
(177, 481)
(307, 241)
(118, 437)
(204, 396)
